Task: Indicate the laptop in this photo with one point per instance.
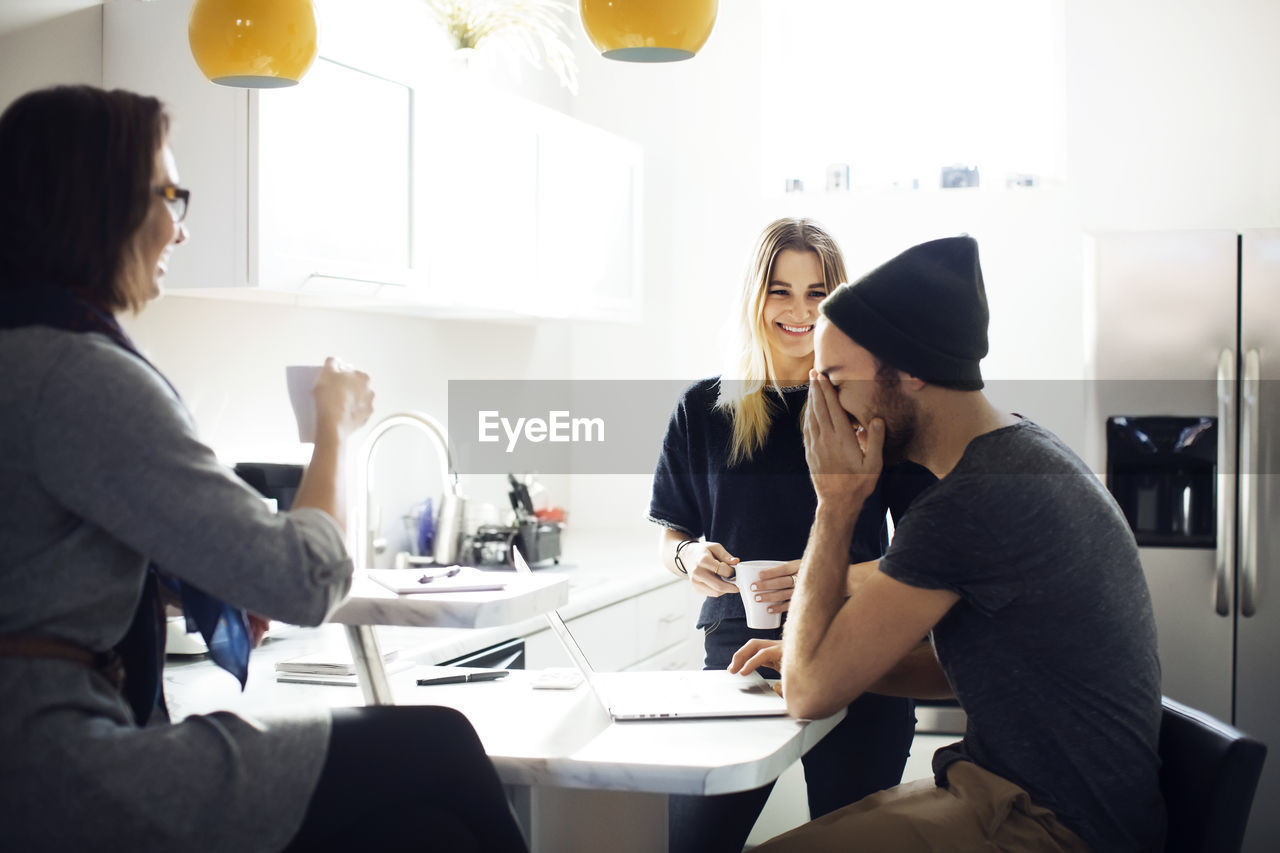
(683, 695)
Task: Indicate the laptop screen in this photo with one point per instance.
(666, 695)
(558, 627)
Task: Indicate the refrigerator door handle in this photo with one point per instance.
(1250, 387)
(1224, 558)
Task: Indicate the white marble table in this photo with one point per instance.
(579, 781)
(370, 603)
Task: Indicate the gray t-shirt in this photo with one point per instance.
(1051, 649)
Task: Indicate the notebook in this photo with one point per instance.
(681, 695)
(327, 663)
(335, 676)
(332, 666)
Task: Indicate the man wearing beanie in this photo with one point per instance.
(1017, 564)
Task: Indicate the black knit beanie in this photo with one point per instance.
(924, 312)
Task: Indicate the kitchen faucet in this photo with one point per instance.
(364, 543)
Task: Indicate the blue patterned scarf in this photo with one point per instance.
(225, 629)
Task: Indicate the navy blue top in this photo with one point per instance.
(762, 508)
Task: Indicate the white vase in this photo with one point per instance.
(474, 65)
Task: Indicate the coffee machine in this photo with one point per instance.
(537, 535)
(539, 541)
(272, 480)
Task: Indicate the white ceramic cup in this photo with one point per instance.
(758, 615)
(301, 379)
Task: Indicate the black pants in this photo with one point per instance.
(407, 777)
(865, 753)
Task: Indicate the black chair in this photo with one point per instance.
(1208, 774)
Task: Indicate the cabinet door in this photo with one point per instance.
(588, 220)
(477, 202)
(665, 618)
(606, 636)
(334, 180)
(649, 631)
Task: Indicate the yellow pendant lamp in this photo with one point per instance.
(255, 44)
(648, 30)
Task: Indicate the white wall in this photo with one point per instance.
(1174, 113)
(227, 360)
(698, 122)
(63, 49)
(1173, 121)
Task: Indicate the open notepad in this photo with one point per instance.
(420, 581)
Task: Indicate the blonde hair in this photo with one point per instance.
(751, 370)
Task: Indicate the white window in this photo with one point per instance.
(899, 91)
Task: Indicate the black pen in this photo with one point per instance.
(462, 677)
(448, 574)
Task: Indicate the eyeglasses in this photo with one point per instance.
(176, 199)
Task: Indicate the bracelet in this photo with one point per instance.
(679, 562)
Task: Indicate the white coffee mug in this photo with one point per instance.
(758, 615)
(301, 379)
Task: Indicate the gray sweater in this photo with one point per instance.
(101, 473)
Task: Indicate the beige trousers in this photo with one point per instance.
(977, 811)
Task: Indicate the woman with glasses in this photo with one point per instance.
(732, 485)
(114, 507)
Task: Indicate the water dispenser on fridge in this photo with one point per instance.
(1162, 471)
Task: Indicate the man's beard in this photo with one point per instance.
(898, 412)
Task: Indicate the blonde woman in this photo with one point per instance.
(732, 484)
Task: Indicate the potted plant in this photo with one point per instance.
(532, 29)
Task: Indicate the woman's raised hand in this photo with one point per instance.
(344, 398)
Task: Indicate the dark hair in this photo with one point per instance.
(76, 166)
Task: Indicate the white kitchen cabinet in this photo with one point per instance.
(589, 213)
(299, 190)
(333, 179)
(645, 632)
(525, 209)
(477, 194)
(386, 181)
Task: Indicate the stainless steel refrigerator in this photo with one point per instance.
(1184, 418)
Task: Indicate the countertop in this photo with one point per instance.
(603, 569)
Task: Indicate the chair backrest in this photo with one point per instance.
(1208, 774)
